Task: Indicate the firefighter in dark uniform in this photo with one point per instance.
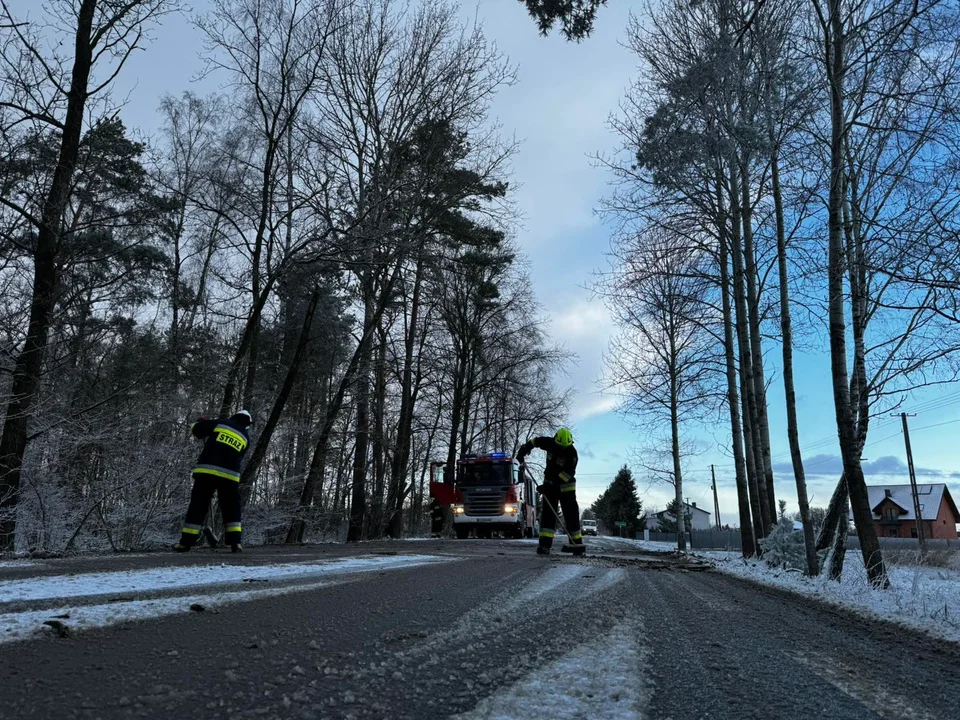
(437, 514)
(559, 487)
(217, 470)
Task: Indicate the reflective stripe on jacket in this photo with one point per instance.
(225, 444)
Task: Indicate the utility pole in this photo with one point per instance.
(913, 487)
(716, 502)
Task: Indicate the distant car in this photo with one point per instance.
(589, 527)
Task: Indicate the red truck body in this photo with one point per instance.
(488, 494)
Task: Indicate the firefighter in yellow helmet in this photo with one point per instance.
(559, 488)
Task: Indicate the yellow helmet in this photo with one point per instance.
(564, 437)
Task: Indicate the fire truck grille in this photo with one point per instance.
(483, 504)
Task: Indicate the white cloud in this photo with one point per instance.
(597, 403)
(558, 109)
(584, 327)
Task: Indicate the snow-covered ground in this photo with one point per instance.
(920, 597)
(209, 582)
(648, 545)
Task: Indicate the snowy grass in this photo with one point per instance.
(920, 597)
(170, 578)
(936, 557)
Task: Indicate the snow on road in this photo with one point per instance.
(208, 579)
(24, 625)
(16, 563)
(178, 578)
(600, 679)
(920, 597)
(649, 545)
(550, 581)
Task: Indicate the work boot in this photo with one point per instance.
(541, 550)
(180, 547)
(236, 548)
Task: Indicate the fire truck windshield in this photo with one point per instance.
(485, 473)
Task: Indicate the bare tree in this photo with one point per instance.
(665, 359)
(889, 69)
(273, 54)
(45, 89)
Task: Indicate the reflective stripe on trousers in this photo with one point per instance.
(217, 471)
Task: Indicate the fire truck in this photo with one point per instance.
(488, 494)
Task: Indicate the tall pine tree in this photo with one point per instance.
(619, 503)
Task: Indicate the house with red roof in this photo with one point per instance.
(893, 515)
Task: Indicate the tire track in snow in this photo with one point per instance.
(537, 596)
(602, 678)
(874, 694)
(508, 636)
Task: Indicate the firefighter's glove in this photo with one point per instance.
(539, 489)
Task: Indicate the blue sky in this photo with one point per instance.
(559, 108)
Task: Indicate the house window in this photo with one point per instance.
(891, 533)
(890, 514)
(913, 532)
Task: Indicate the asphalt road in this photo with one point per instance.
(493, 631)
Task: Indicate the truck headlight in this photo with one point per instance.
(458, 509)
(508, 508)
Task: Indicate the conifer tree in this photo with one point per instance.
(619, 502)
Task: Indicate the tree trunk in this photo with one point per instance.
(358, 502)
(856, 485)
(675, 447)
(204, 274)
(318, 463)
(246, 340)
(263, 442)
(758, 500)
(456, 410)
(756, 344)
(748, 542)
(401, 456)
(467, 403)
(267, 194)
(46, 281)
(381, 500)
(786, 330)
(839, 550)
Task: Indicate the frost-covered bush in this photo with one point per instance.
(783, 547)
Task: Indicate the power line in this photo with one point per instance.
(928, 406)
(948, 422)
